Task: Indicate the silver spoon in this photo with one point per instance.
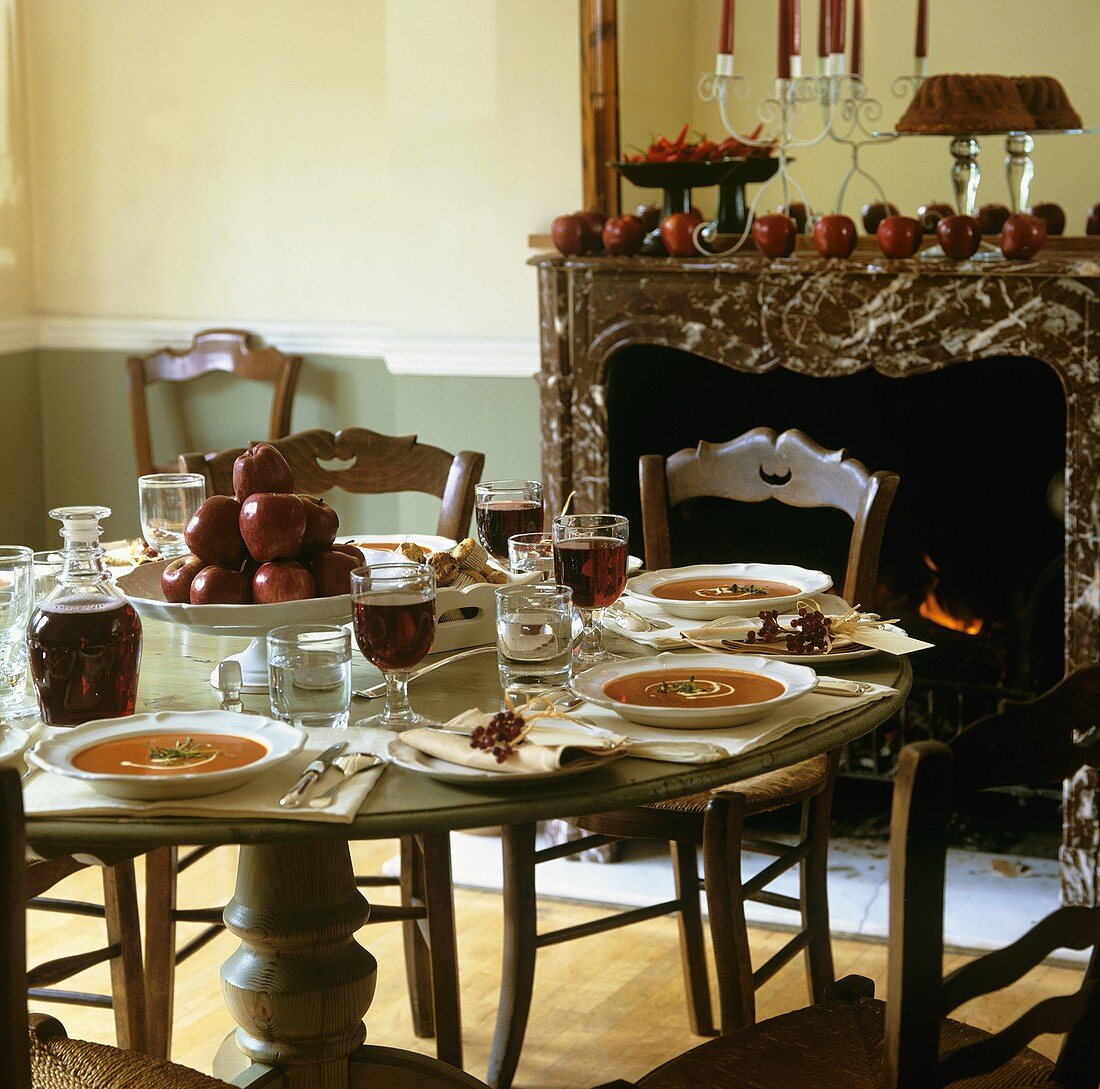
(329, 796)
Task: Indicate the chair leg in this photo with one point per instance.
(518, 970)
(127, 976)
(693, 954)
(161, 870)
(442, 943)
(814, 882)
(723, 827)
(418, 964)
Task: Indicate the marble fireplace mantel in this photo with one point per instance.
(828, 319)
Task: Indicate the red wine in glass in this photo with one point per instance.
(499, 519)
(85, 655)
(394, 631)
(594, 568)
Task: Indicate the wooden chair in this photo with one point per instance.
(758, 465)
(228, 350)
(380, 464)
(123, 949)
(853, 1041)
(43, 1057)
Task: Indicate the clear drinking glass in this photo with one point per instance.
(531, 552)
(16, 601)
(47, 567)
(310, 670)
(505, 508)
(534, 637)
(590, 558)
(394, 618)
(167, 501)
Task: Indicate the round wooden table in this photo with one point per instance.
(300, 985)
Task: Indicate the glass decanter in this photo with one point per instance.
(84, 640)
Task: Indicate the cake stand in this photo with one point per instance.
(142, 589)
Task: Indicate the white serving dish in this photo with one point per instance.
(808, 583)
(797, 681)
(480, 625)
(55, 754)
(428, 541)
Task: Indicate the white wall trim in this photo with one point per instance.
(467, 357)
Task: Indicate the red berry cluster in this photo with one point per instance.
(500, 737)
(811, 632)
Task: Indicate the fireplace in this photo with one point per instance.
(979, 384)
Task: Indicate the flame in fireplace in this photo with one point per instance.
(932, 609)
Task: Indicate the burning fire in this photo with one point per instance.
(931, 609)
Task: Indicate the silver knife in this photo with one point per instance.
(293, 797)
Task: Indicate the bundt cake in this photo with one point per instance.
(1046, 100)
(958, 105)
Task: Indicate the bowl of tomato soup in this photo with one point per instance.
(695, 691)
(170, 754)
(707, 591)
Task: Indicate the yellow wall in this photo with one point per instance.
(1008, 36)
(16, 281)
(313, 160)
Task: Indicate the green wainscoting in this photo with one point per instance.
(68, 431)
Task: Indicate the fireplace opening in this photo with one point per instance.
(974, 549)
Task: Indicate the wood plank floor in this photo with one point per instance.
(608, 1006)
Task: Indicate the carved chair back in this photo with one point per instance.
(1044, 740)
(15, 1062)
(762, 464)
(380, 463)
(227, 350)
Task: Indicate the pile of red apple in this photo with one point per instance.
(261, 545)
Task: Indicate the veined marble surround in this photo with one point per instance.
(828, 319)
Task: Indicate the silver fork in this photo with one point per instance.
(329, 796)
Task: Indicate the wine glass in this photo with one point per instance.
(590, 558)
(394, 617)
(505, 508)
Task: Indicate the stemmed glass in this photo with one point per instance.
(394, 618)
(505, 508)
(590, 558)
(16, 602)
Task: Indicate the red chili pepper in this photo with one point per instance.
(679, 141)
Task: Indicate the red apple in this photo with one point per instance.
(217, 585)
(775, 235)
(261, 468)
(991, 218)
(650, 215)
(930, 214)
(873, 214)
(351, 550)
(273, 525)
(899, 236)
(1022, 237)
(322, 525)
(176, 579)
(1092, 224)
(834, 236)
(331, 572)
(797, 212)
(1052, 215)
(676, 233)
(214, 533)
(593, 230)
(623, 235)
(283, 580)
(960, 236)
(568, 233)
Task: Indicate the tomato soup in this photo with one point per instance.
(715, 588)
(169, 754)
(693, 688)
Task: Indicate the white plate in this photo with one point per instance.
(808, 583)
(427, 541)
(12, 743)
(405, 756)
(797, 681)
(55, 754)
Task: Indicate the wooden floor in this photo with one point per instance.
(608, 1006)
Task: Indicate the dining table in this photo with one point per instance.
(300, 985)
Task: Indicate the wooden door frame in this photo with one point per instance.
(600, 105)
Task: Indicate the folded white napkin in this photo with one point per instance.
(49, 795)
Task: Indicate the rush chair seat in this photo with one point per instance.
(758, 465)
